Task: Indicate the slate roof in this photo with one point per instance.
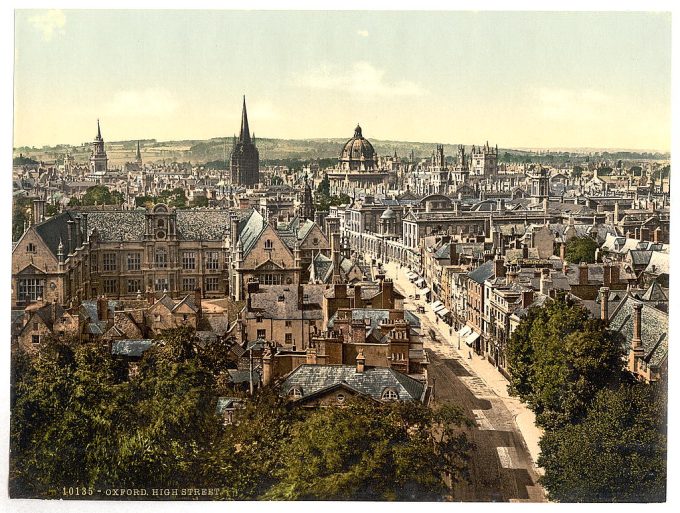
(203, 224)
(482, 273)
(117, 225)
(640, 257)
(132, 348)
(54, 229)
(654, 329)
(312, 379)
(655, 293)
(250, 230)
(658, 263)
(243, 376)
(281, 302)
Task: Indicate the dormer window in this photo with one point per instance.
(390, 394)
(295, 393)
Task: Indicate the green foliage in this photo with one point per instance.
(577, 171)
(173, 198)
(370, 451)
(580, 249)
(617, 454)
(24, 161)
(21, 215)
(100, 195)
(324, 187)
(200, 201)
(559, 358)
(78, 420)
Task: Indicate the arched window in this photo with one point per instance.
(390, 394)
(295, 393)
(340, 397)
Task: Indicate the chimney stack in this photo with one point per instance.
(361, 362)
(563, 251)
(69, 244)
(604, 304)
(606, 275)
(335, 255)
(79, 238)
(545, 283)
(583, 273)
(267, 366)
(387, 293)
(499, 267)
(198, 298)
(357, 296)
(311, 356)
(38, 210)
(636, 341)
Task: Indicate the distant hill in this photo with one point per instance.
(201, 151)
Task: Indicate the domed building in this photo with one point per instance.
(358, 170)
(357, 154)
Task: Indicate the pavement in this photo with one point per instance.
(504, 462)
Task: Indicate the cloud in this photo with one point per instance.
(362, 77)
(559, 104)
(362, 33)
(49, 23)
(147, 102)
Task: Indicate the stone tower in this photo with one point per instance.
(307, 209)
(245, 159)
(98, 158)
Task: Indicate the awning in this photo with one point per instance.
(470, 339)
(437, 305)
(443, 312)
(464, 331)
(420, 282)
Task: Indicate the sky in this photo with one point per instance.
(516, 79)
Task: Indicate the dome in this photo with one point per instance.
(357, 154)
(388, 214)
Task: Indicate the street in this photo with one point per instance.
(501, 467)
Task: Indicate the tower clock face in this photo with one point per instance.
(160, 234)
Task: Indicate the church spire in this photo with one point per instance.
(139, 153)
(245, 130)
(99, 130)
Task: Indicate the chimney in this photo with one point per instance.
(340, 290)
(83, 224)
(79, 238)
(636, 341)
(583, 273)
(545, 284)
(357, 296)
(615, 274)
(197, 298)
(69, 239)
(563, 251)
(267, 367)
(511, 276)
(150, 296)
(234, 230)
(358, 331)
(387, 293)
(527, 297)
(38, 210)
(102, 308)
(311, 356)
(606, 275)
(361, 362)
(335, 255)
(604, 304)
(499, 267)
(525, 251)
(300, 297)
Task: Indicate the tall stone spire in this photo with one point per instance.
(244, 137)
(99, 131)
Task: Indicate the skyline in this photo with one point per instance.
(600, 80)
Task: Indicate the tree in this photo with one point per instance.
(199, 201)
(21, 216)
(580, 249)
(617, 454)
(577, 171)
(371, 451)
(324, 187)
(100, 195)
(559, 358)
